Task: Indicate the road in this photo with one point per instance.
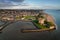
(13, 32)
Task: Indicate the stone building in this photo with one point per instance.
(41, 20)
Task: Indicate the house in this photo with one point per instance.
(41, 20)
(4, 17)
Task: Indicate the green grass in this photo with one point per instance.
(35, 21)
(39, 25)
(29, 17)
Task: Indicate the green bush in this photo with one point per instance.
(36, 21)
(50, 23)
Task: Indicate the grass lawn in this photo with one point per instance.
(38, 25)
(29, 17)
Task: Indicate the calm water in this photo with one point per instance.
(56, 15)
(12, 32)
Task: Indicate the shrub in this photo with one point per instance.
(50, 23)
(36, 21)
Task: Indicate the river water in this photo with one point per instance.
(12, 31)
